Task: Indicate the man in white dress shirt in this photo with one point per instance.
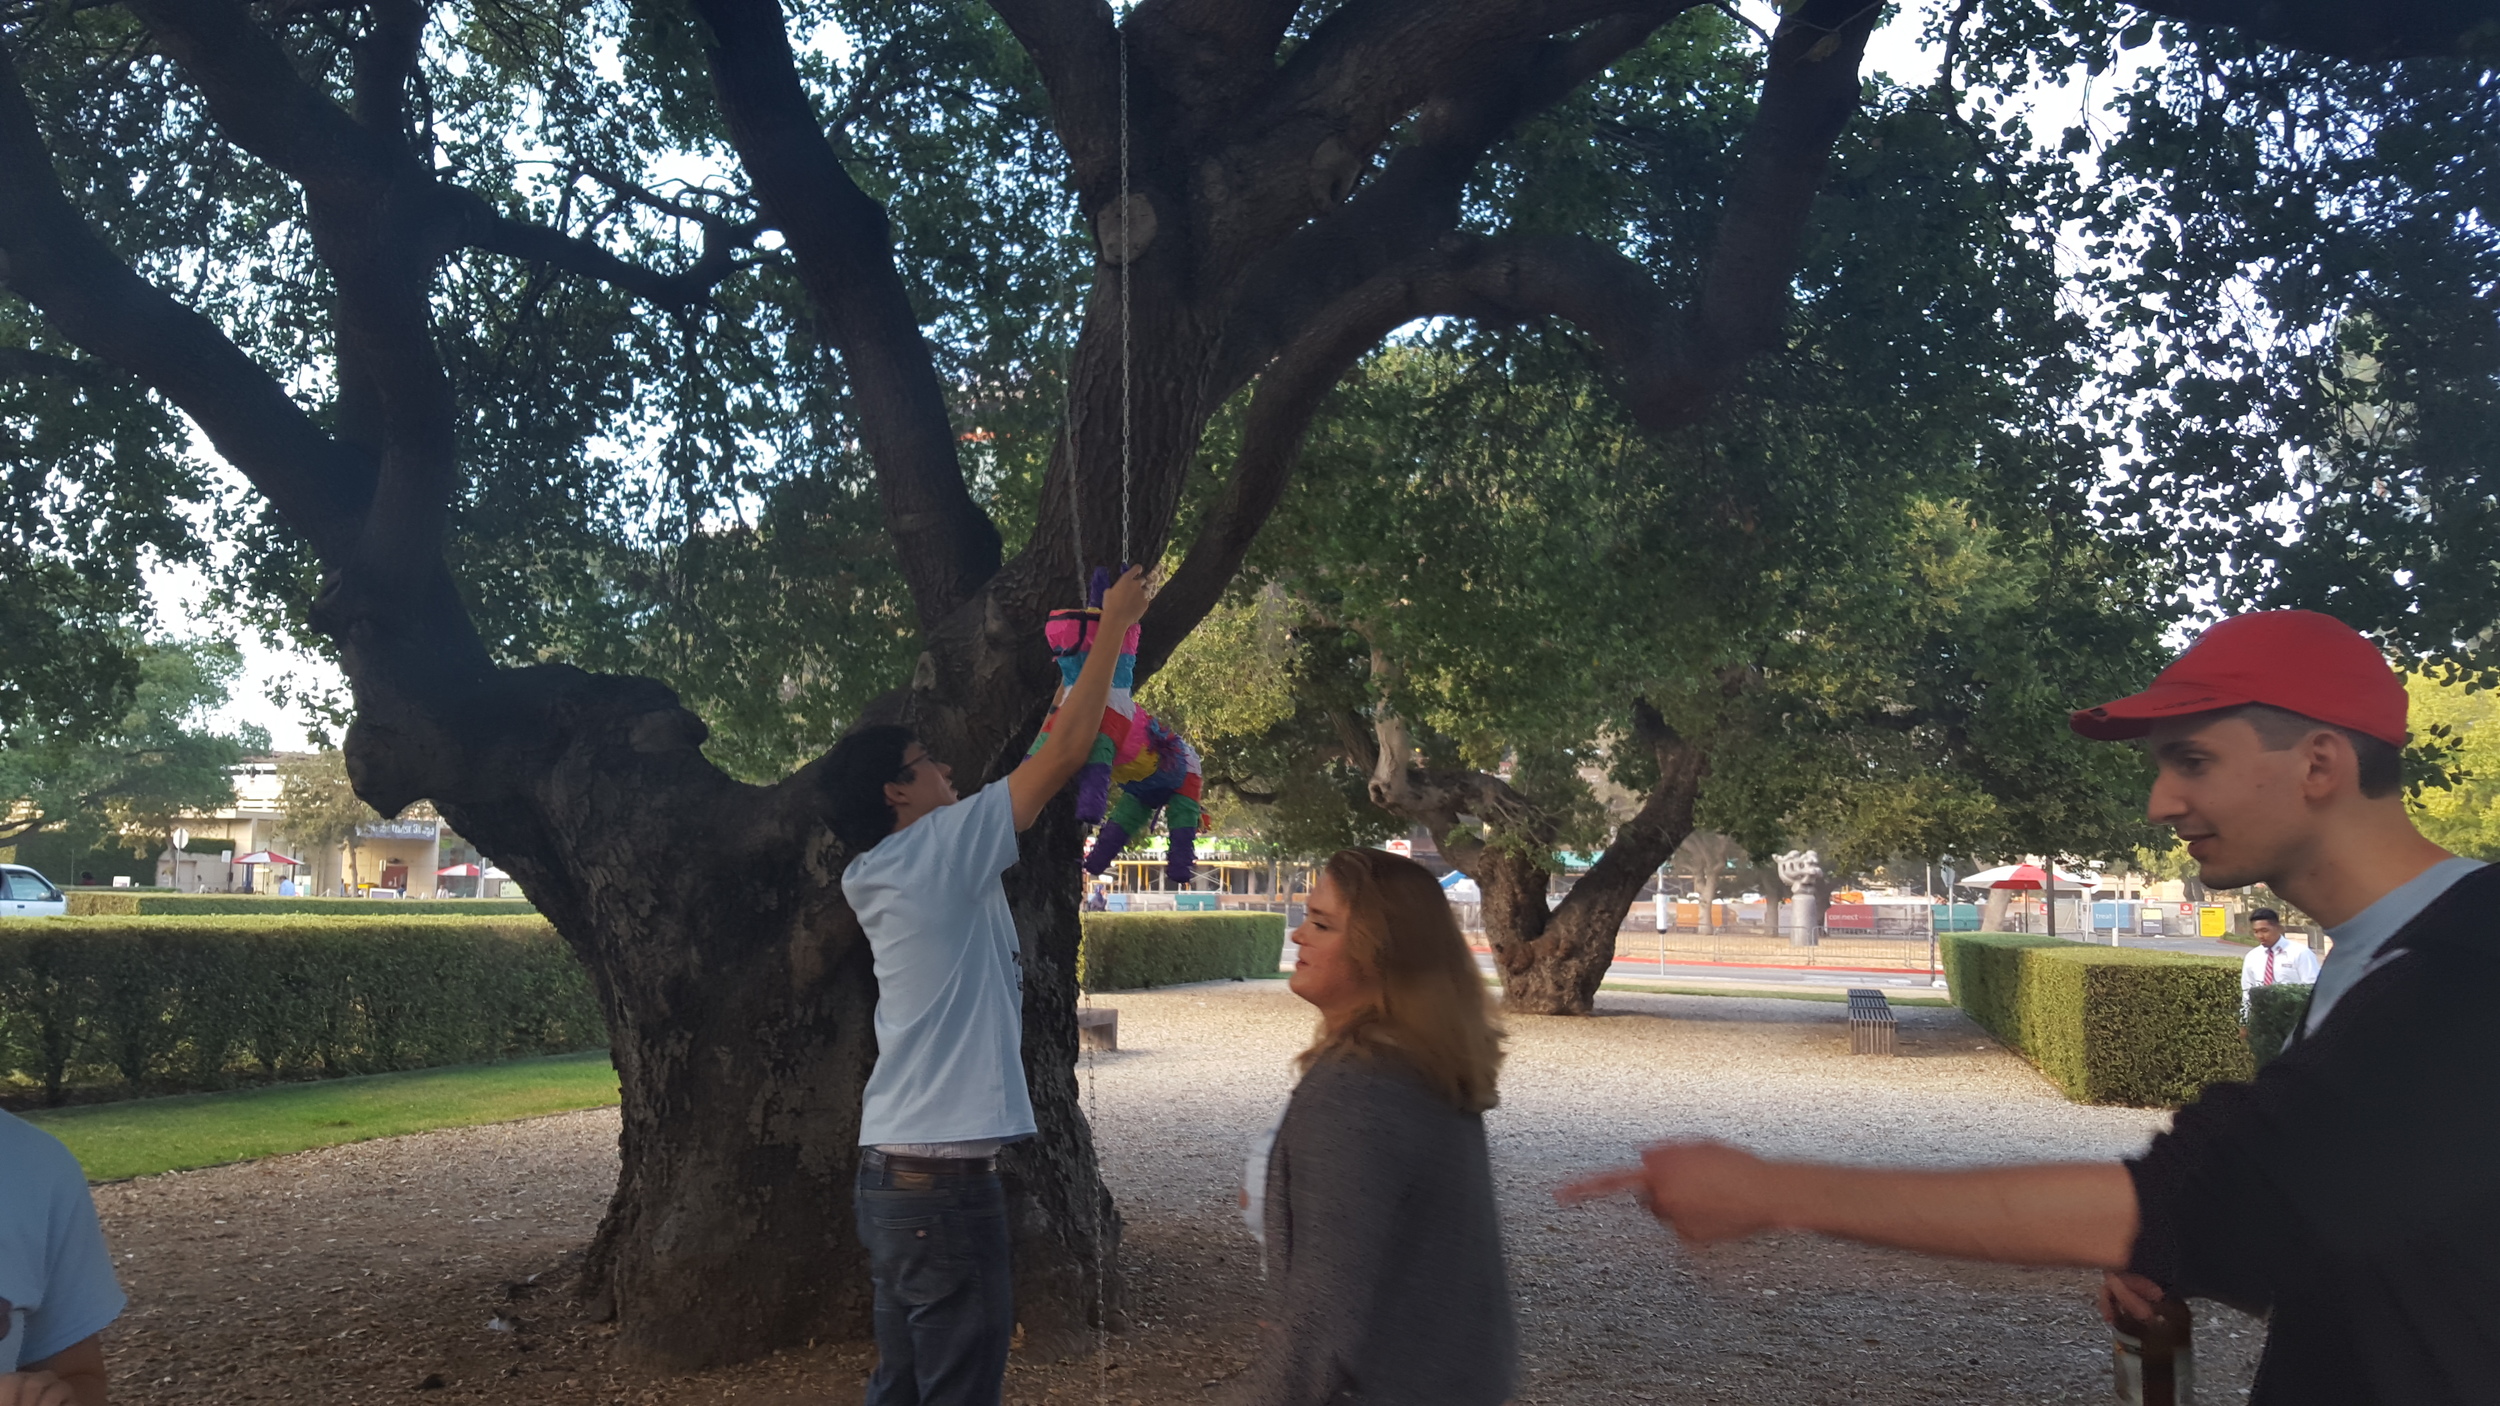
(2276, 960)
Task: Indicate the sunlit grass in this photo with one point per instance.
(145, 1136)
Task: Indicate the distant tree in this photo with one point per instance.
(1532, 628)
(127, 781)
(323, 811)
(1706, 859)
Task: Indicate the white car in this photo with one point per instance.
(27, 894)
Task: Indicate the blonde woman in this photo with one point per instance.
(1383, 1246)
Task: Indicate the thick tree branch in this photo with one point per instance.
(1810, 90)
(1289, 395)
(844, 248)
(1415, 200)
(1650, 836)
(1373, 61)
(55, 262)
(2393, 29)
(264, 105)
(1228, 44)
(1076, 46)
(385, 62)
(380, 225)
(486, 228)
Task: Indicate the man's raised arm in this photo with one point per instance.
(1034, 783)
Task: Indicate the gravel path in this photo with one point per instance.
(365, 1273)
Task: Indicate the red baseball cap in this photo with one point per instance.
(2311, 664)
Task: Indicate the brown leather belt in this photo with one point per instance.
(929, 1166)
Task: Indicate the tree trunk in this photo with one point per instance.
(1708, 887)
(1552, 957)
(739, 997)
(1557, 970)
(1992, 919)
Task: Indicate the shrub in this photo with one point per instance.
(1126, 951)
(2106, 1025)
(154, 1004)
(133, 903)
(2272, 1012)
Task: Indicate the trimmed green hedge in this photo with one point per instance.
(1125, 951)
(158, 1005)
(165, 903)
(2107, 1025)
(2272, 1012)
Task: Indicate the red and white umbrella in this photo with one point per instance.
(2030, 878)
(459, 871)
(268, 856)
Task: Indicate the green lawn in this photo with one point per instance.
(149, 1135)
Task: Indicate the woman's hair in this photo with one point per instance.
(1431, 1008)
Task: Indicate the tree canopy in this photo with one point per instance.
(124, 781)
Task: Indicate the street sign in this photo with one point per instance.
(182, 838)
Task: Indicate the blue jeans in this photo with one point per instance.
(945, 1302)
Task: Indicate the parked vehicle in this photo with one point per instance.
(27, 894)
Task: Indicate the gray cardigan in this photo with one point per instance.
(1384, 1248)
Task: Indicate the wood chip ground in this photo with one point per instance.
(431, 1268)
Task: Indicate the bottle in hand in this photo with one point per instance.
(2154, 1365)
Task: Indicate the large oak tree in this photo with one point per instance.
(315, 230)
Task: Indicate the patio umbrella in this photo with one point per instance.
(264, 856)
(2031, 878)
(458, 871)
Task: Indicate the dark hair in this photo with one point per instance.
(2382, 763)
(2266, 915)
(856, 773)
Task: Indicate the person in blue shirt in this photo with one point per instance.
(57, 1290)
(948, 1088)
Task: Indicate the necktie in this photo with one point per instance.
(2269, 966)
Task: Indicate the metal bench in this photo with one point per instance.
(1871, 1022)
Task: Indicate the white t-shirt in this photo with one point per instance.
(950, 982)
(55, 1274)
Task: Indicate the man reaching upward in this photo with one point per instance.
(2352, 1189)
(948, 1088)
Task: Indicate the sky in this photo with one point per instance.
(1893, 50)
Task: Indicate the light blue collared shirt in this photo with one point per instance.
(2359, 938)
(950, 982)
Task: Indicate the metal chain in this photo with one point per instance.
(1067, 431)
(1093, 1122)
(1128, 260)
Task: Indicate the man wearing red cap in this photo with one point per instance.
(2353, 1189)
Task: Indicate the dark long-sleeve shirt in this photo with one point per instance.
(1384, 1248)
(2354, 1187)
